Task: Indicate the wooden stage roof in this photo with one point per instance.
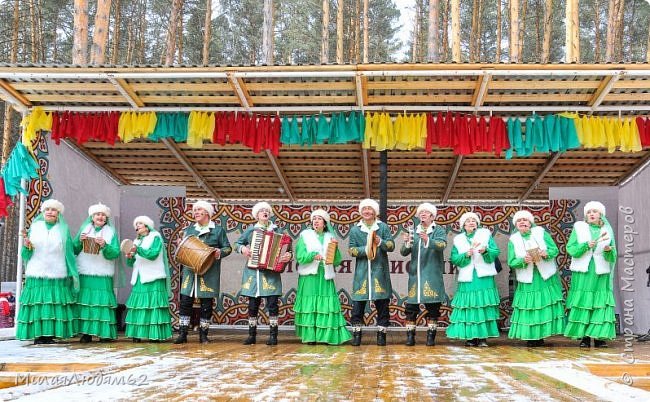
(344, 173)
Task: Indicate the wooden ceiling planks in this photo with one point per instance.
(345, 172)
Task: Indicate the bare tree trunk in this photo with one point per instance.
(416, 33)
(445, 30)
(618, 45)
(80, 40)
(141, 44)
(207, 32)
(170, 51)
(324, 43)
(267, 33)
(612, 29)
(473, 34)
(116, 32)
(365, 31)
(597, 53)
(433, 42)
(455, 31)
(548, 30)
(647, 49)
(14, 35)
(33, 31)
(498, 44)
(339, 32)
(572, 35)
(100, 36)
(179, 35)
(479, 28)
(522, 28)
(514, 31)
(357, 32)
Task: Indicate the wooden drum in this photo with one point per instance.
(195, 254)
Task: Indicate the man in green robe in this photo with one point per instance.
(204, 287)
(426, 285)
(370, 242)
(258, 283)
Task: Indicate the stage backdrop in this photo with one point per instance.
(230, 309)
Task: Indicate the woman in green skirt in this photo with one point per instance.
(47, 302)
(97, 247)
(537, 308)
(591, 296)
(476, 303)
(148, 314)
(318, 316)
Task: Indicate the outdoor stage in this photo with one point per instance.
(227, 370)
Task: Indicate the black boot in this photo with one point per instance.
(410, 337)
(182, 335)
(85, 338)
(431, 337)
(482, 343)
(252, 335)
(600, 343)
(273, 335)
(585, 342)
(381, 338)
(356, 337)
(203, 335)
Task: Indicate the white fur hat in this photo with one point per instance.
(523, 214)
(467, 215)
(52, 203)
(598, 206)
(427, 206)
(368, 202)
(261, 205)
(97, 208)
(203, 205)
(143, 219)
(322, 213)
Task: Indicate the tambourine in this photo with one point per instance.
(126, 246)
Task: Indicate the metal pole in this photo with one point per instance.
(383, 185)
(21, 228)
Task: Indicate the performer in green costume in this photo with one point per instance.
(476, 302)
(148, 314)
(591, 296)
(96, 303)
(537, 308)
(317, 306)
(204, 287)
(47, 302)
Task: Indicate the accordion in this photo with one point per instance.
(266, 250)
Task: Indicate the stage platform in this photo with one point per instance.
(227, 370)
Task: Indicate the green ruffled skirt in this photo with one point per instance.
(47, 308)
(96, 306)
(591, 301)
(537, 309)
(318, 311)
(148, 314)
(475, 309)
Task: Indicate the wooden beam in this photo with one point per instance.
(362, 90)
(103, 166)
(239, 87)
(11, 95)
(603, 89)
(481, 90)
(281, 176)
(200, 180)
(540, 176)
(634, 170)
(127, 92)
(365, 171)
(452, 178)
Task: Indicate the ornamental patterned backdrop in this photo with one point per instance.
(231, 308)
(39, 189)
